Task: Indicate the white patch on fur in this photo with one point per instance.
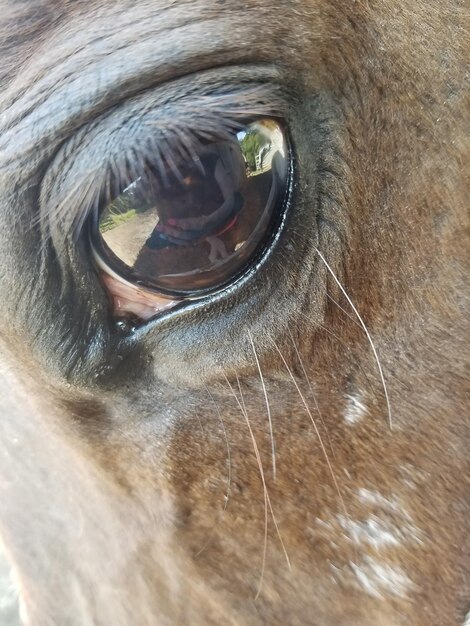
(375, 498)
(379, 532)
(385, 524)
(372, 531)
(383, 529)
(389, 525)
(380, 580)
(355, 410)
(467, 620)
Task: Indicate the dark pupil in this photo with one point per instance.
(196, 223)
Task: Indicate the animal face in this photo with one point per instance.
(291, 446)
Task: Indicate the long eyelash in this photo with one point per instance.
(176, 131)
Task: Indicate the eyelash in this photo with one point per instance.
(205, 117)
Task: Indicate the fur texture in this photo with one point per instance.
(137, 474)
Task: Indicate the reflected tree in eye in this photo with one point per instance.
(196, 224)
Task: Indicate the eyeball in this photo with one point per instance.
(197, 223)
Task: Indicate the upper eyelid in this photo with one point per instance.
(71, 79)
(119, 139)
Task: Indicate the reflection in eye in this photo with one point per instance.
(196, 223)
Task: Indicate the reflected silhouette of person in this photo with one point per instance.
(218, 180)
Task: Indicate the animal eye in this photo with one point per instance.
(194, 222)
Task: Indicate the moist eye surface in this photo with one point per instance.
(194, 220)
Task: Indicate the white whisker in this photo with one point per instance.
(313, 394)
(267, 500)
(268, 409)
(242, 408)
(229, 455)
(376, 356)
(338, 338)
(343, 309)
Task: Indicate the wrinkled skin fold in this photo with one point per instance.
(240, 460)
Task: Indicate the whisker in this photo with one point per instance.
(268, 409)
(229, 454)
(265, 492)
(339, 339)
(264, 481)
(313, 394)
(376, 356)
(267, 500)
(343, 309)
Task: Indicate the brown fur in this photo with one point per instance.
(116, 506)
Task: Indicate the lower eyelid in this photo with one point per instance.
(129, 300)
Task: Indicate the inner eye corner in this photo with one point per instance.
(194, 221)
